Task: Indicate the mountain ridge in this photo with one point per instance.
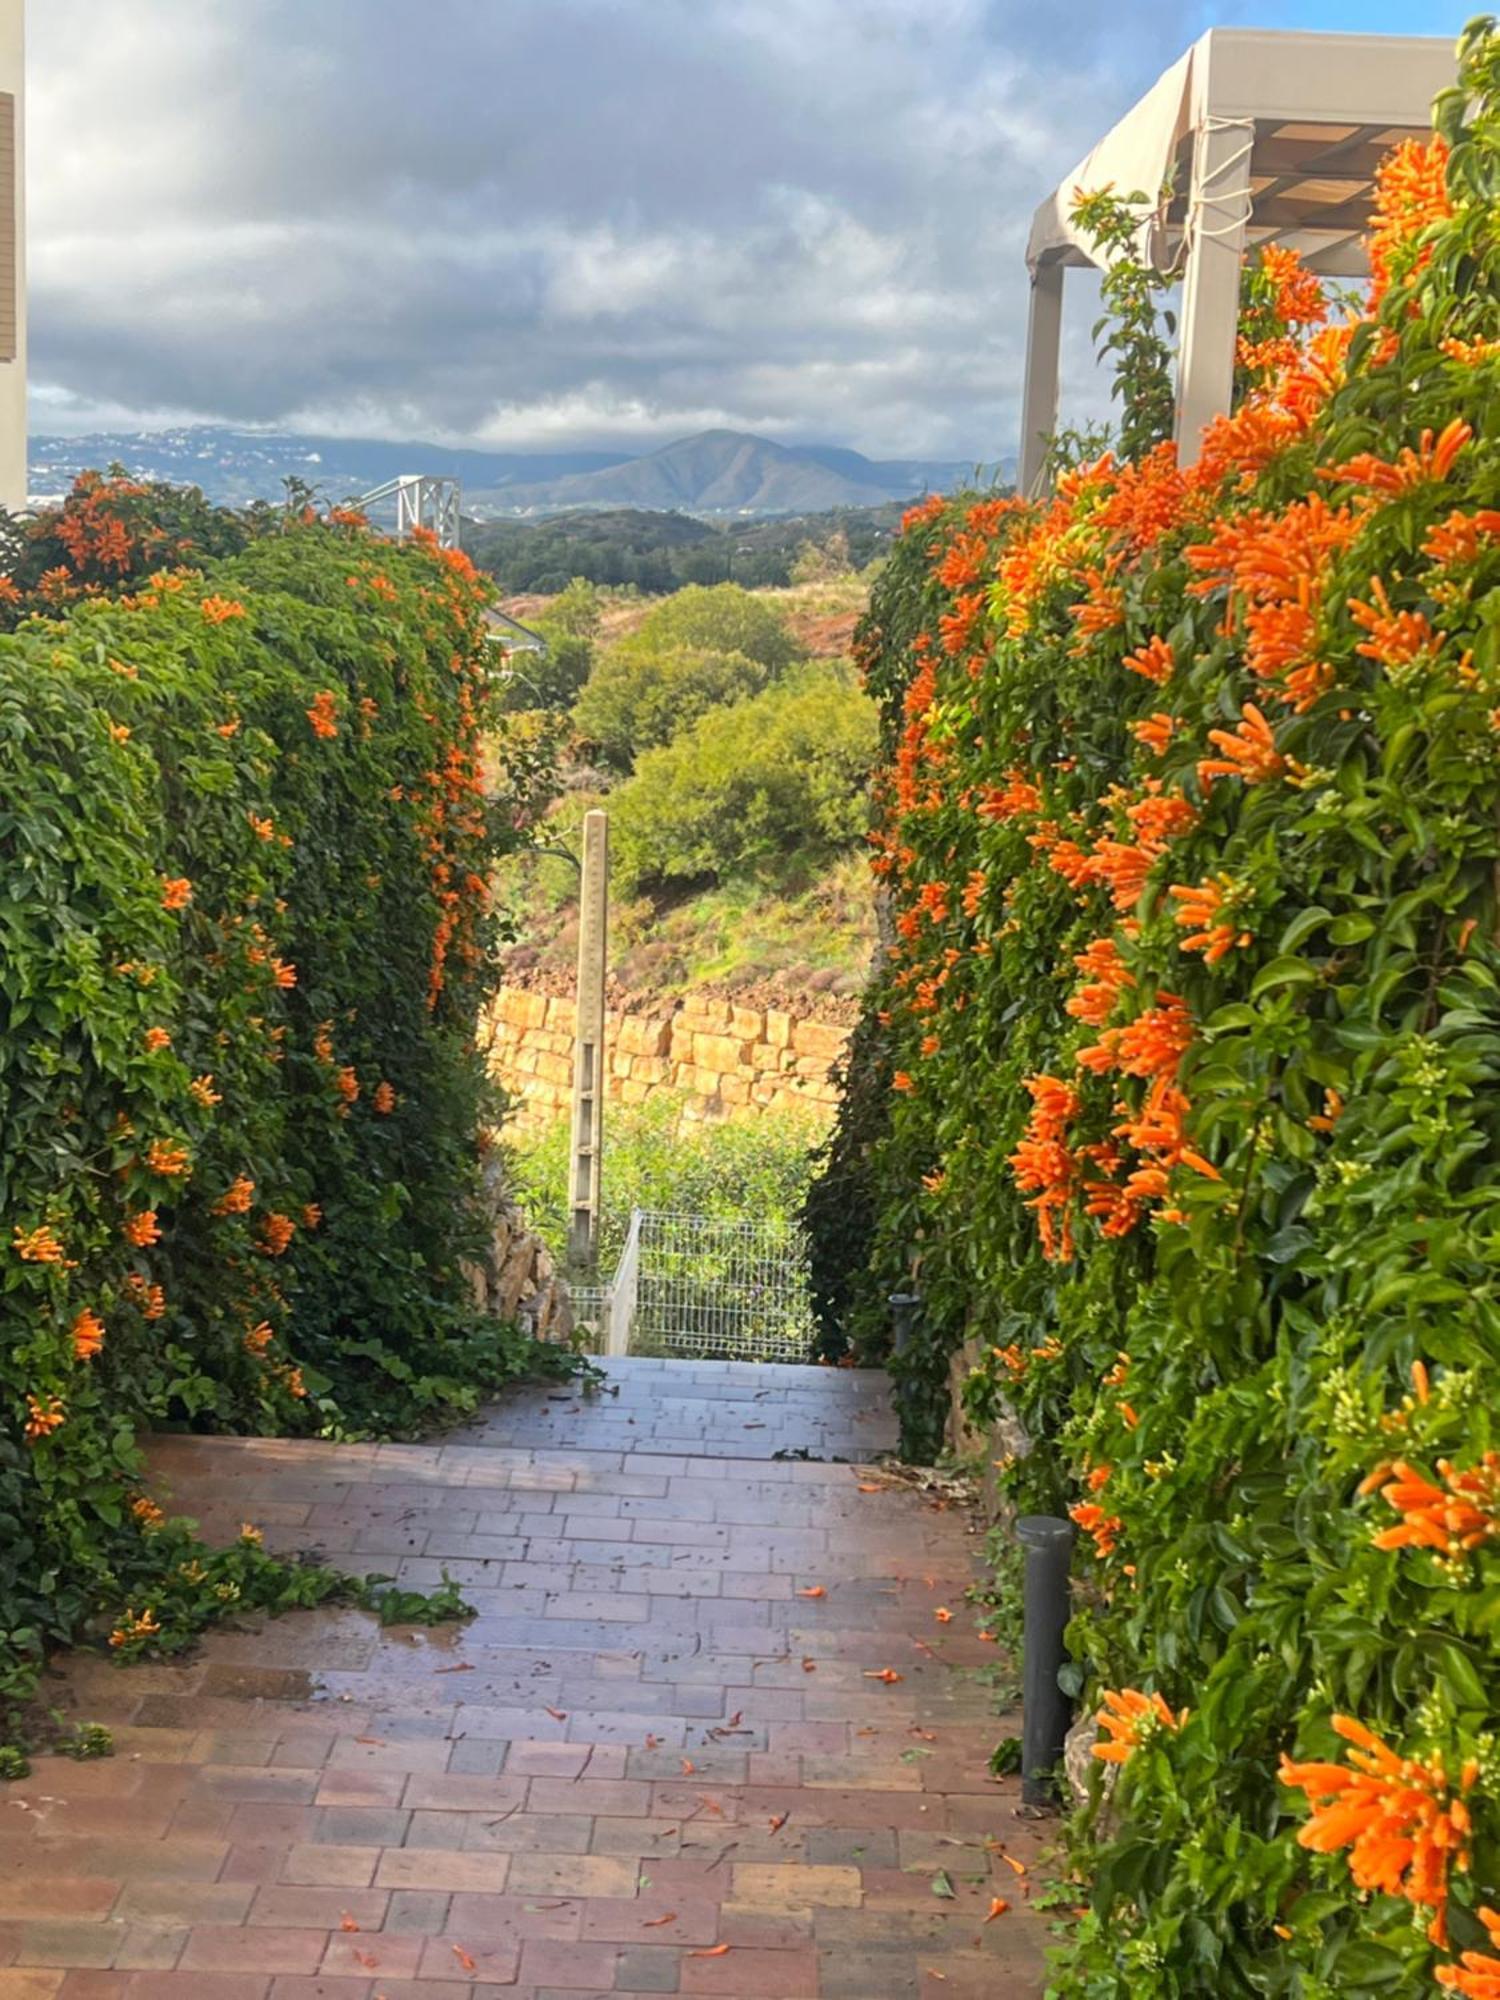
(716, 473)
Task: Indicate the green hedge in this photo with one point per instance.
(1181, 1092)
(244, 934)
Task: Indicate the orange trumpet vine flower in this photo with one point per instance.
(1128, 1718)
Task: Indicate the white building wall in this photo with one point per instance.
(13, 261)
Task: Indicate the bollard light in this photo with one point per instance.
(1047, 1711)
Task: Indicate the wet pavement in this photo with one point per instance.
(707, 1734)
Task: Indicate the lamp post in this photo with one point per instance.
(589, 1078)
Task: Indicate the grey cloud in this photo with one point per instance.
(548, 221)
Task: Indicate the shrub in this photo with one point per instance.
(1189, 818)
(554, 679)
(751, 1167)
(637, 702)
(716, 618)
(243, 940)
(782, 774)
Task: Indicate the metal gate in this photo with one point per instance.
(704, 1287)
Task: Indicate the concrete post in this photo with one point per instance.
(1039, 396)
(12, 254)
(589, 1054)
(1219, 209)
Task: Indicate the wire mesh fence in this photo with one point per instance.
(704, 1287)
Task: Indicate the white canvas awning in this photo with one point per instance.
(1253, 136)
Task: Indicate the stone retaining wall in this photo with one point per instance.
(717, 1058)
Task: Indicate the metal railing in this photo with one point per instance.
(704, 1287)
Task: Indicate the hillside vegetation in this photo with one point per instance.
(724, 731)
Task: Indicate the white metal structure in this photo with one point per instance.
(713, 1287)
(13, 254)
(1257, 136)
(423, 500)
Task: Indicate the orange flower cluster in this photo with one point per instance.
(1453, 1519)
(384, 1099)
(1128, 1719)
(150, 1300)
(176, 892)
(1405, 1827)
(1248, 751)
(142, 1229)
(1477, 1973)
(1044, 1166)
(1411, 193)
(167, 1158)
(1105, 978)
(219, 610)
(1200, 909)
(276, 1233)
(44, 1415)
(38, 1246)
(236, 1198)
(324, 714)
(88, 1335)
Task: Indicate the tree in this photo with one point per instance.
(639, 701)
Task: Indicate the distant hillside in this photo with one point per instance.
(720, 473)
(657, 552)
(728, 472)
(234, 467)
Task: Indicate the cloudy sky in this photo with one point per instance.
(545, 223)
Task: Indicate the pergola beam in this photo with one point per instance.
(1281, 134)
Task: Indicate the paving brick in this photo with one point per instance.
(635, 1562)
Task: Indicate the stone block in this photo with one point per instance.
(526, 1010)
(819, 1038)
(778, 1028)
(554, 1069)
(721, 1052)
(747, 1022)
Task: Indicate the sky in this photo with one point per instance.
(558, 224)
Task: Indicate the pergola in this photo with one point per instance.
(1257, 137)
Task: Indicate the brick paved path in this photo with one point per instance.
(652, 1742)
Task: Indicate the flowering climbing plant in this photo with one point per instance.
(1188, 1050)
(245, 839)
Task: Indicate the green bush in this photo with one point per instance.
(637, 701)
(716, 618)
(244, 937)
(1190, 1038)
(780, 775)
(653, 1159)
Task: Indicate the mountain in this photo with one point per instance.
(234, 467)
(730, 472)
(719, 473)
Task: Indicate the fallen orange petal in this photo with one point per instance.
(886, 1674)
(655, 1923)
(712, 1951)
(688, 1767)
(1016, 1867)
(463, 1958)
(816, 1591)
(943, 1615)
(998, 1908)
(347, 1923)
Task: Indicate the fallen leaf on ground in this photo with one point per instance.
(942, 1885)
(736, 1719)
(998, 1908)
(378, 1741)
(886, 1674)
(463, 1667)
